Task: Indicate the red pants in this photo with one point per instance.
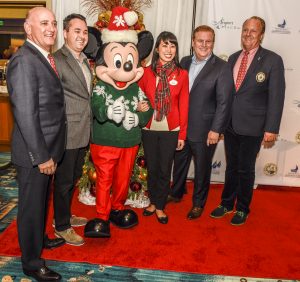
(114, 168)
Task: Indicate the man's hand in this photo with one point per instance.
(48, 167)
(212, 138)
(180, 145)
(269, 140)
(143, 106)
(270, 137)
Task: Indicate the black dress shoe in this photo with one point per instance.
(97, 228)
(43, 274)
(53, 243)
(148, 213)
(123, 218)
(162, 219)
(194, 213)
(173, 199)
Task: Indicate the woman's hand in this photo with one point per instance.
(180, 145)
(143, 106)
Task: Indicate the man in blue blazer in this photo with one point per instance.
(255, 117)
(210, 99)
(38, 137)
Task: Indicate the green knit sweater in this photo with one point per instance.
(106, 131)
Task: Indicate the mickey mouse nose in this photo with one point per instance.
(127, 66)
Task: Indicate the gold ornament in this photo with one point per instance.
(92, 176)
(143, 175)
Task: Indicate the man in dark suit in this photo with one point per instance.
(255, 117)
(209, 106)
(76, 76)
(38, 137)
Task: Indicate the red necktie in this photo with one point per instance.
(242, 71)
(52, 63)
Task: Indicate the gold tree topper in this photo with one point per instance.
(100, 6)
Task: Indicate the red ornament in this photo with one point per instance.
(135, 186)
(141, 161)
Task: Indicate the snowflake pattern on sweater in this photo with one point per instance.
(100, 90)
(106, 131)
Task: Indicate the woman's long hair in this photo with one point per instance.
(166, 37)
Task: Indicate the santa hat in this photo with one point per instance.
(117, 30)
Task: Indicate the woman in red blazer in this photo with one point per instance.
(166, 85)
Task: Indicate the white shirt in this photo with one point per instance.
(43, 51)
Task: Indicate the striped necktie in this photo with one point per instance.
(242, 71)
(52, 63)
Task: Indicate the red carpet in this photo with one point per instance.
(267, 246)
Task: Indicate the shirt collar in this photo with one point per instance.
(82, 56)
(252, 51)
(196, 61)
(43, 51)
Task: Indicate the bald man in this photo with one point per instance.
(38, 137)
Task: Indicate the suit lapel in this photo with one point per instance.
(91, 73)
(71, 61)
(42, 58)
(187, 63)
(254, 64)
(206, 69)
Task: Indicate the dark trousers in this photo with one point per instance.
(203, 156)
(241, 152)
(159, 148)
(67, 172)
(32, 209)
(182, 161)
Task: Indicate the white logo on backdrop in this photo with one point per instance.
(281, 28)
(293, 172)
(216, 167)
(297, 103)
(222, 24)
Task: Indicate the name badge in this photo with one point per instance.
(173, 82)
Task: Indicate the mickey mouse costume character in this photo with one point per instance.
(117, 124)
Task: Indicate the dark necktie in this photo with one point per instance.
(242, 71)
(52, 63)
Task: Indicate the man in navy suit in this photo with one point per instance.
(38, 137)
(211, 84)
(255, 117)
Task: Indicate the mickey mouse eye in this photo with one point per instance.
(130, 58)
(117, 61)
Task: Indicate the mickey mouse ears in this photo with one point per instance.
(94, 43)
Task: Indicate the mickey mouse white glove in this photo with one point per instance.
(131, 120)
(116, 111)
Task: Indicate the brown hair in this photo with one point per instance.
(203, 28)
(262, 23)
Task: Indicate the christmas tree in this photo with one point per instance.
(137, 184)
(138, 181)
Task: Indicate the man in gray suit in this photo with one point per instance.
(211, 84)
(76, 77)
(38, 137)
(255, 117)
